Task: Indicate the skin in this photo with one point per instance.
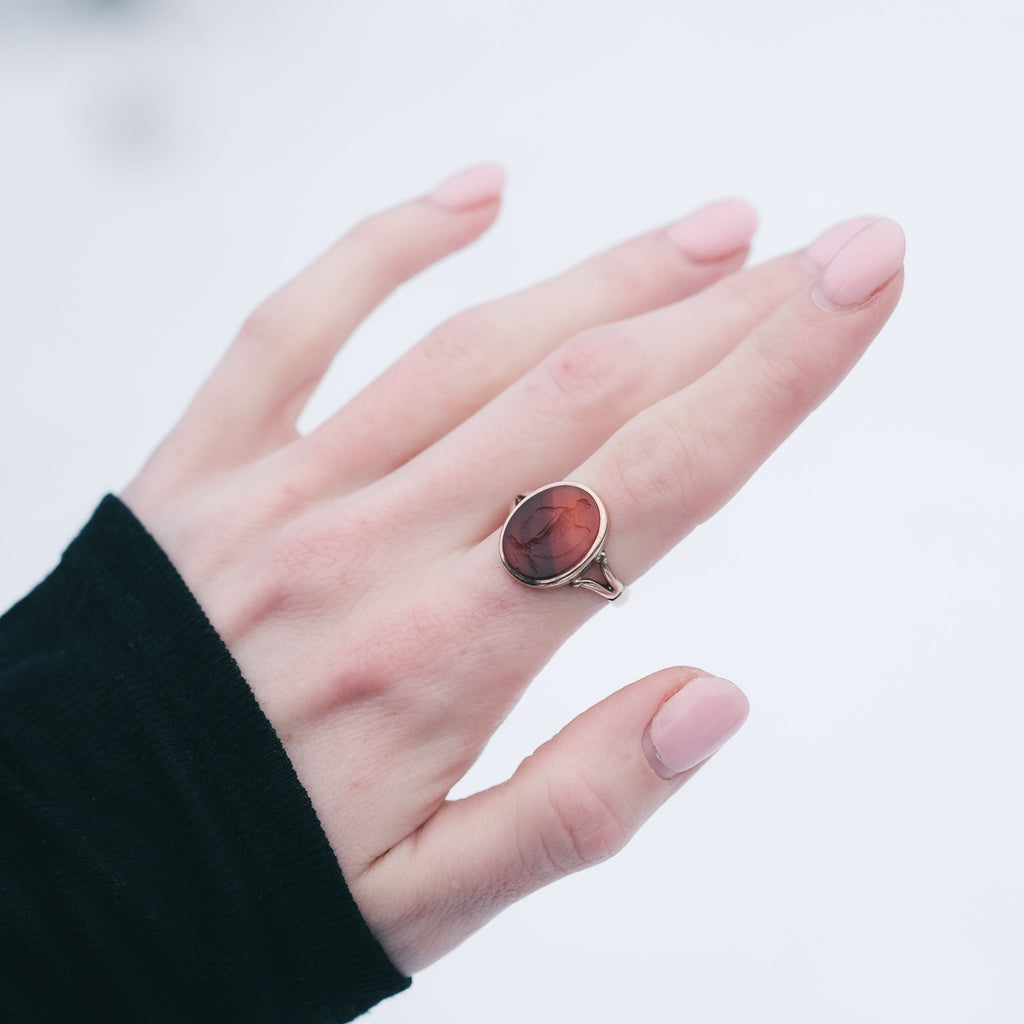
(373, 624)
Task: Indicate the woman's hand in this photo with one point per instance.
(354, 572)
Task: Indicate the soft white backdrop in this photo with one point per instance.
(854, 855)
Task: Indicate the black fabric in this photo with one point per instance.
(159, 859)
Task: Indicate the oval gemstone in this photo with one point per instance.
(551, 532)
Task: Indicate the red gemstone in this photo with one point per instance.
(552, 532)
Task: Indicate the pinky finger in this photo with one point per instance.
(254, 397)
(574, 803)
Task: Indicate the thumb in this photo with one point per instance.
(584, 794)
(573, 803)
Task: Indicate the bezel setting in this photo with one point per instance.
(572, 575)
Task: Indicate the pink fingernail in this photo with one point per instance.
(829, 242)
(863, 265)
(714, 231)
(470, 188)
(693, 723)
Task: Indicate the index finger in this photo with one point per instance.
(674, 465)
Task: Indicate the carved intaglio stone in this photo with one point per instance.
(552, 532)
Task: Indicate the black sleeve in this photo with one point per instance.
(159, 859)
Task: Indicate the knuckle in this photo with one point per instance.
(661, 460)
(370, 232)
(464, 339)
(625, 270)
(268, 323)
(383, 241)
(790, 373)
(594, 369)
(740, 294)
(585, 828)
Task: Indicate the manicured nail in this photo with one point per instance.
(693, 723)
(470, 188)
(714, 231)
(829, 242)
(862, 266)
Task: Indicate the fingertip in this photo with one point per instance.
(470, 188)
(715, 231)
(868, 261)
(832, 239)
(693, 723)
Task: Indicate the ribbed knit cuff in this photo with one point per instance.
(338, 968)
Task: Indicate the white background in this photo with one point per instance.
(855, 853)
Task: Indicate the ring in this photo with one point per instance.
(554, 535)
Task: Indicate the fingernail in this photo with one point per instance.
(470, 188)
(714, 231)
(865, 263)
(693, 723)
(829, 242)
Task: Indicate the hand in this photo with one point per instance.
(354, 572)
